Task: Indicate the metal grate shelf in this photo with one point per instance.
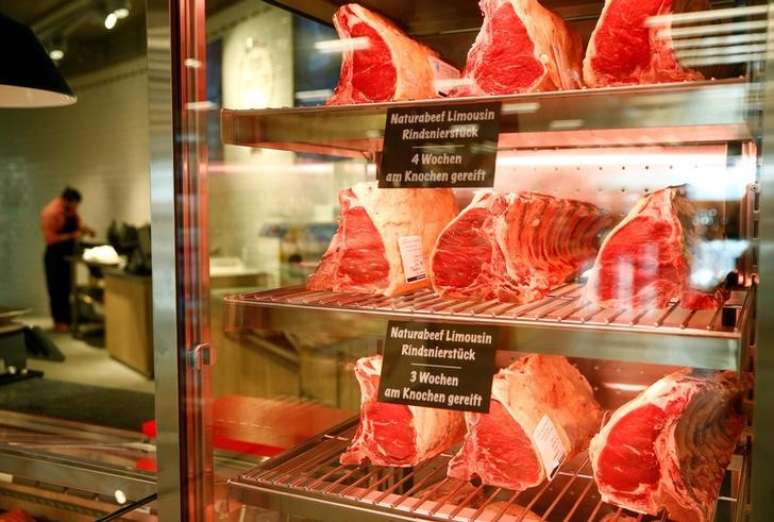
(309, 479)
(611, 116)
(560, 322)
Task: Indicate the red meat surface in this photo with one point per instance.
(364, 255)
(394, 434)
(381, 63)
(623, 49)
(669, 447)
(500, 447)
(522, 47)
(17, 515)
(644, 261)
(514, 247)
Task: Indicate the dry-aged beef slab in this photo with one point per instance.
(669, 447)
(364, 255)
(514, 247)
(394, 434)
(522, 47)
(645, 260)
(624, 50)
(381, 63)
(500, 448)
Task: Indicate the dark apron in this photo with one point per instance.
(59, 273)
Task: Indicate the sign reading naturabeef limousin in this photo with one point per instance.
(444, 146)
(438, 365)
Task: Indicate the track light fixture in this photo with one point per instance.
(115, 10)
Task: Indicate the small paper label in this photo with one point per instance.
(442, 70)
(549, 446)
(411, 255)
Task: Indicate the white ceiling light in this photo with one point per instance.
(121, 12)
(110, 21)
(56, 54)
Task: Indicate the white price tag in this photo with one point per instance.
(411, 255)
(549, 446)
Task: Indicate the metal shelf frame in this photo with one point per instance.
(309, 481)
(685, 113)
(613, 116)
(560, 323)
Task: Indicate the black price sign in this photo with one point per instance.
(437, 365)
(433, 147)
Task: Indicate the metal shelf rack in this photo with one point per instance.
(559, 323)
(640, 115)
(309, 481)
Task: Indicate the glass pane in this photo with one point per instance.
(599, 248)
(76, 349)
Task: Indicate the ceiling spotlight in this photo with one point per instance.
(56, 46)
(121, 12)
(110, 21)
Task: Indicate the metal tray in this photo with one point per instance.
(559, 323)
(679, 113)
(309, 482)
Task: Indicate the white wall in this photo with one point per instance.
(99, 145)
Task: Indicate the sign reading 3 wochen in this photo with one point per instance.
(434, 147)
(439, 365)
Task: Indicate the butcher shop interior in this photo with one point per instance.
(387, 261)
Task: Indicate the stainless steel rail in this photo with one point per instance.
(310, 480)
(712, 111)
(558, 323)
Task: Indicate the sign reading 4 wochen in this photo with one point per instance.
(443, 146)
(438, 365)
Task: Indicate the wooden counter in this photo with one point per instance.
(129, 320)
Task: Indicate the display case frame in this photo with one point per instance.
(179, 217)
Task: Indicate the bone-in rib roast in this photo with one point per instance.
(394, 434)
(381, 63)
(537, 396)
(625, 49)
(522, 47)
(514, 247)
(364, 254)
(669, 447)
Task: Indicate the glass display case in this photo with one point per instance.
(604, 258)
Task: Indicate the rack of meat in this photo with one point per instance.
(522, 47)
(320, 475)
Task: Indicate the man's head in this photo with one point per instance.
(71, 198)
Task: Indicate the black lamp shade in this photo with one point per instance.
(28, 77)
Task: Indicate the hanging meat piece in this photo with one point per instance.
(381, 63)
(365, 254)
(670, 446)
(625, 49)
(539, 401)
(394, 434)
(514, 247)
(522, 47)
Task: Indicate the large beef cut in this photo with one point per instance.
(669, 447)
(365, 253)
(623, 49)
(394, 434)
(539, 402)
(645, 260)
(381, 63)
(522, 47)
(514, 247)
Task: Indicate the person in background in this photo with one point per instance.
(62, 227)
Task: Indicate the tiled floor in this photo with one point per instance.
(86, 364)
